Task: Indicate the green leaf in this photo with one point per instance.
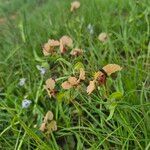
(78, 65)
(60, 96)
(63, 96)
(116, 96)
(112, 110)
(70, 144)
(38, 111)
(37, 58)
(21, 27)
(64, 61)
(112, 104)
(45, 65)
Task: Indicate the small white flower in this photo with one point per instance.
(41, 69)
(26, 103)
(22, 81)
(90, 29)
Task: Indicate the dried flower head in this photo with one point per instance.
(73, 81)
(76, 52)
(91, 87)
(53, 43)
(103, 37)
(50, 87)
(74, 5)
(111, 68)
(107, 71)
(47, 50)
(43, 127)
(48, 47)
(48, 123)
(101, 76)
(65, 42)
(82, 74)
(52, 126)
(66, 85)
(48, 117)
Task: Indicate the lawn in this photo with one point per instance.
(35, 114)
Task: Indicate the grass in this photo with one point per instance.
(21, 39)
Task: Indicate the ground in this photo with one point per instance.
(83, 120)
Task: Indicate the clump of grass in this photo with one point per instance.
(82, 120)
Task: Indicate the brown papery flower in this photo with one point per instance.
(65, 42)
(48, 123)
(74, 5)
(76, 52)
(103, 37)
(50, 87)
(73, 81)
(100, 77)
(48, 47)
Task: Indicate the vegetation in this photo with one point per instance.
(115, 115)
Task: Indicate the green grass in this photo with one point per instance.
(21, 40)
